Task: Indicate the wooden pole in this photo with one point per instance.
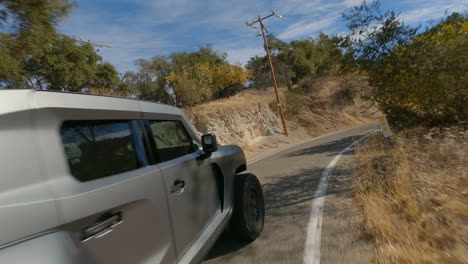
(280, 108)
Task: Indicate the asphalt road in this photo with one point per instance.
(289, 179)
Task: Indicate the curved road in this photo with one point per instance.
(290, 179)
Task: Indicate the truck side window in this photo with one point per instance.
(99, 148)
(171, 138)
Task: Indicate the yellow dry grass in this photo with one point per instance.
(413, 195)
(238, 102)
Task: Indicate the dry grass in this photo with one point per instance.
(413, 195)
(238, 102)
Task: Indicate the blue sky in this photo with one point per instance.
(137, 29)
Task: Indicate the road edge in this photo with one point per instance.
(312, 249)
(303, 142)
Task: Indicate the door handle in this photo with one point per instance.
(178, 186)
(103, 226)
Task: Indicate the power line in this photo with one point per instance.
(96, 45)
(93, 44)
(131, 41)
(105, 44)
(145, 48)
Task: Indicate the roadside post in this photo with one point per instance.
(384, 126)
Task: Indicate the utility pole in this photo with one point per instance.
(264, 29)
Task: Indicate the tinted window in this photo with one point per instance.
(97, 149)
(171, 138)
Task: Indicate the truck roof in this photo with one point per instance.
(15, 100)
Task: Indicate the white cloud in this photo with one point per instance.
(435, 11)
(351, 3)
(305, 7)
(243, 55)
(303, 28)
(316, 16)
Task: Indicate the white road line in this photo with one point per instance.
(314, 227)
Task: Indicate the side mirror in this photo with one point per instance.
(209, 143)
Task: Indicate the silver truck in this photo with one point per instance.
(95, 179)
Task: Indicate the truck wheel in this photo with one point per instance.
(249, 209)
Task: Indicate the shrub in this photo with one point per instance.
(308, 85)
(420, 78)
(295, 102)
(345, 96)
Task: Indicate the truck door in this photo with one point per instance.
(191, 184)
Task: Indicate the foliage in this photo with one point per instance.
(35, 56)
(259, 68)
(187, 79)
(107, 82)
(299, 59)
(315, 57)
(54, 62)
(10, 67)
(374, 33)
(149, 82)
(229, 79)
(415, 78)
(26, 16)
(191, 85)
(429, 76)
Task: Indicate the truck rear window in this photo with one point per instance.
(99, 148)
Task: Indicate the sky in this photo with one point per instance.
(136, 29)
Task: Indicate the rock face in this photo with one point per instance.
(241, 126)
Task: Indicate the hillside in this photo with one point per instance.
(250, 118)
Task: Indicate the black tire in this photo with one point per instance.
(249, 209)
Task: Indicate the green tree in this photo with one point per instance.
(149, 81)
(415, 78)
(229, 79)
(260, 69)
(10, 66)
(299, 59)
(186, 78)
(27, 16)
(30, 24)
(427, 79)
(35, 56)
(374, 34)
(57, 64)
(108, 82)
